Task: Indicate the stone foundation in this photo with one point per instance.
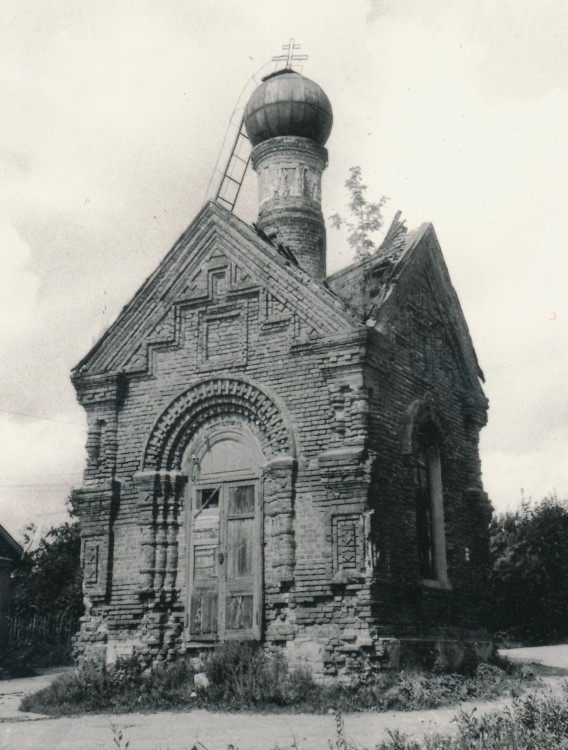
(328, 651)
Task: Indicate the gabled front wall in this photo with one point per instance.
(241, 356)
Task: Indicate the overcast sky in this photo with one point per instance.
(113, 114)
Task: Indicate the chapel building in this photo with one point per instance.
(279, 455)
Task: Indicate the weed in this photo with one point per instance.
(534, 723)
(119, 738)
(340, 741)
(399, 741)
(244, 676)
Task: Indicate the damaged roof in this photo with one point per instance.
(369, 285)
(353, 284)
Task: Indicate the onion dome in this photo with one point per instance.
(287, 103)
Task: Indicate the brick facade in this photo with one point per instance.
(333, 399)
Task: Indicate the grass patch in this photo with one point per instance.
(244, 677)
(531, 723)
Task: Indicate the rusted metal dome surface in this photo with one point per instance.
(288, 104)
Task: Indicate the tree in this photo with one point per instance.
(54, 580)
(365, 217)
(529, 571)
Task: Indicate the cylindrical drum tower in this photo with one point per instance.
(288, 120)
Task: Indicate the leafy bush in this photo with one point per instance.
(243, 676)
(528, 582)
(54, 580)
(46, 602)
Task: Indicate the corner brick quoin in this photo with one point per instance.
(283, 457)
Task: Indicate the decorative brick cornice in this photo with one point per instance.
(94, 504)
(344, 465)
(105, 388)
(283, 146)
(356, 337)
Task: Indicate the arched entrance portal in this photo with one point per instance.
(224, 466)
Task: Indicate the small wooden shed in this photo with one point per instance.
(11, 554)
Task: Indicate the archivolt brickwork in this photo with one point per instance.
(207, 402)
(420, 412)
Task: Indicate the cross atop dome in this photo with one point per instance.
(290, 58)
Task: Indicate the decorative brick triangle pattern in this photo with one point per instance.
(216, 239)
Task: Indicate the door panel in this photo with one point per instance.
(225, 567)
(241, 500)
(204, 565)
(241, 575)
(240, 541)
(239, 612)
(204, 606)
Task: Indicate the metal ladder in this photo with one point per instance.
(235, 170)
(239, 158)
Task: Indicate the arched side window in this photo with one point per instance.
(431, 537)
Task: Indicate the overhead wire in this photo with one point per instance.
(38, 416)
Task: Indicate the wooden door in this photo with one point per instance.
(225, 562)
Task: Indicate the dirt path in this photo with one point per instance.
(174, 731)
(549, 656)
(177, 731)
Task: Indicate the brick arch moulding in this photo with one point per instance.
(207, 402)
(421, 412)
